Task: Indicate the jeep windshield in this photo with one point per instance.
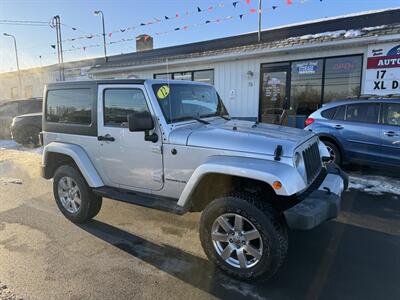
(181, 102)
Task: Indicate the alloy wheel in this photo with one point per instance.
(237, 241)
(69, 194)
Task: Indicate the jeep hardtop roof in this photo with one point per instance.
(119, 81)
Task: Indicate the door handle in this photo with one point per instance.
(106, 138)
(338, 126)
(390, 133)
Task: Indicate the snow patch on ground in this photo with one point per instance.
(376, 185)
(10, 144)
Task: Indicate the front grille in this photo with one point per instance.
(312, 161)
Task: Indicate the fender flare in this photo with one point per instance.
(80, 158)
(267, 171)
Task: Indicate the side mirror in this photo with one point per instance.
(142, 121)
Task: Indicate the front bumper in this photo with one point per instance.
(322, 204)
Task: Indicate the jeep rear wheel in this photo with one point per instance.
(73, 196)
(244, 237)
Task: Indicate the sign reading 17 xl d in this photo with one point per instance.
(383, 70)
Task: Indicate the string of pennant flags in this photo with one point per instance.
(157, 20)
(240, 16)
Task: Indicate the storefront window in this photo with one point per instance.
(183, 76)
(206, 76)
(306, 86)
(342, 78)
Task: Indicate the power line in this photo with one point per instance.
(24, 21)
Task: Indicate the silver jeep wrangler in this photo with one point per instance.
(171, 146)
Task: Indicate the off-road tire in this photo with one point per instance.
(90, 203)
(270, 224)
(27, 136)
(338, 157)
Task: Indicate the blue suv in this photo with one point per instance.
(360, 131)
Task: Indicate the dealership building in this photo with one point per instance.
(295, 68)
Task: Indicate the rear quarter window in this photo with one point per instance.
(71, 106)
(329, 113)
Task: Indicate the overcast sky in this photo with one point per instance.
(35, 41)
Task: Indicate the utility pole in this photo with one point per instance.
(56, 23)
(16, 59)
(259, 20)
(99, 12)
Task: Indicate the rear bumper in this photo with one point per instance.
(322, 204)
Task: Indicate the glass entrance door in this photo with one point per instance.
(274, 92)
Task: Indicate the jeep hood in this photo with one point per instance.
(241, 136)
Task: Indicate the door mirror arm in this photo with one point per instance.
(150, 137)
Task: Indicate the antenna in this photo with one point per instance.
(169, 88)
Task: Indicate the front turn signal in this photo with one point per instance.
(277, 185)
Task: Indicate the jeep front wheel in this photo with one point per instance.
(74, 197)
(244, 237)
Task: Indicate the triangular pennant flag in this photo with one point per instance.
(166, 18)
(241, 16)
(274, 7)
(253, 10)
(110, 34)
(235, 3)
(208, 21)
(176, 15)
(185, 27)
(89, 36)
(221, 4)
(73, 28)
(142, 24)
(289, 2)
(210, 8)
(198, 9)
(177, 28)
(248, 1)
(53, 46)
(122, 30)
(84, 48)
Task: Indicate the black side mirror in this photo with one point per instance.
(142, 121)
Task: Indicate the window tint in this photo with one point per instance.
(306, 86)
(329, 113)
(391, 114)
(365, 112)
(69, 106)
(340, 112)
(119, 103)
(342, 77)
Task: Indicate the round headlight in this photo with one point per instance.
(299, 164)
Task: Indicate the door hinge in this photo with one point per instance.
(157, 149)
(158, 176)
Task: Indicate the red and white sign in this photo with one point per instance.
(382, 76)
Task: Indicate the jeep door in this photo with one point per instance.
(127, 160)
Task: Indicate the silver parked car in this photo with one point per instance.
(171, 146)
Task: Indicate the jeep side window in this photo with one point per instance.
(73, 106)
(119, 103)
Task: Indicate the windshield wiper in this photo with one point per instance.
(190, 118)
(198, 119)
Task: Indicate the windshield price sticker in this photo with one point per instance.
(163, 92)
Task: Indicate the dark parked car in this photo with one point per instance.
(25, 129)
(10, 109)
(360, 131)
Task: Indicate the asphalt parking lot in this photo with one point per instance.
(133, 252)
